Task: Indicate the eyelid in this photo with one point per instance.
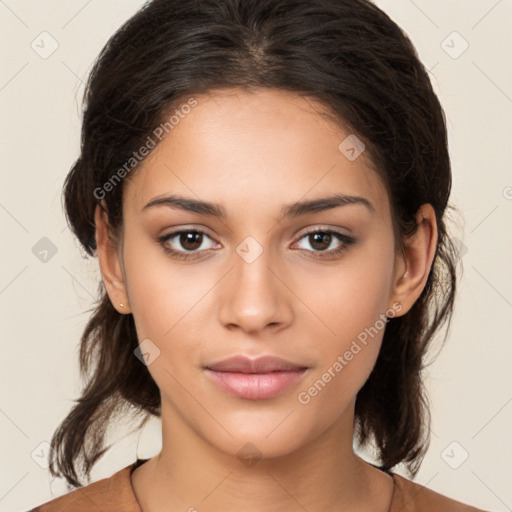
(323, 228)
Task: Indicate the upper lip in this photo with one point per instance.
(263, 364)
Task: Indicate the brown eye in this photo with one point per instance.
(191, 240)
(320, 241)
(325, 243)
(186, 243)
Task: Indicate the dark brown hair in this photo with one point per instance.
(346, 54)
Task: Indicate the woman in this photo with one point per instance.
(264, 184)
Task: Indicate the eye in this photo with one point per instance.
(185, 243)
(326, 243)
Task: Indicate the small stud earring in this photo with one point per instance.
(121, 305)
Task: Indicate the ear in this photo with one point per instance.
(110, 262)
(413, 266)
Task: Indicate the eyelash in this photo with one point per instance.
(189, 255)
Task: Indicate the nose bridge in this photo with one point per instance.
(253, 296)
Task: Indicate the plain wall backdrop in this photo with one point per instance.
(46, 287)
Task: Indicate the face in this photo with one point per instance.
(310, 285)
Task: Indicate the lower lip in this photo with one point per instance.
(255, 386)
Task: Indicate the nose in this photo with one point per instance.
(254, 296)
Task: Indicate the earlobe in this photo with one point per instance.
(419, 251)
(110, 263)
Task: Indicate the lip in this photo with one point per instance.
(255, 379)
(262, 364)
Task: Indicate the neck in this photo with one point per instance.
(324, 475)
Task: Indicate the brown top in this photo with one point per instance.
(115, 494)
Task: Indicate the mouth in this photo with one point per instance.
(255, 379)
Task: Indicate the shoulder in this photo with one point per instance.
(410, 496)
(108, 494)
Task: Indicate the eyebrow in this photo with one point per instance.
(289, 211)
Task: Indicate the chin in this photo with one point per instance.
(256, 448)
(264, 436)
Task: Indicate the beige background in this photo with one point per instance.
(43, 305)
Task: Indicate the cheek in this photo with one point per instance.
(346, 359)
(172, 307)
(162, 294)
(353, 298)
(165, 302)
(352, 305)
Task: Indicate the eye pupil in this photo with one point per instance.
(321, 237)
(192, 237)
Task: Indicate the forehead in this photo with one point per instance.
(263, 148)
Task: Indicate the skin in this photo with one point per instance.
(253, 153)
